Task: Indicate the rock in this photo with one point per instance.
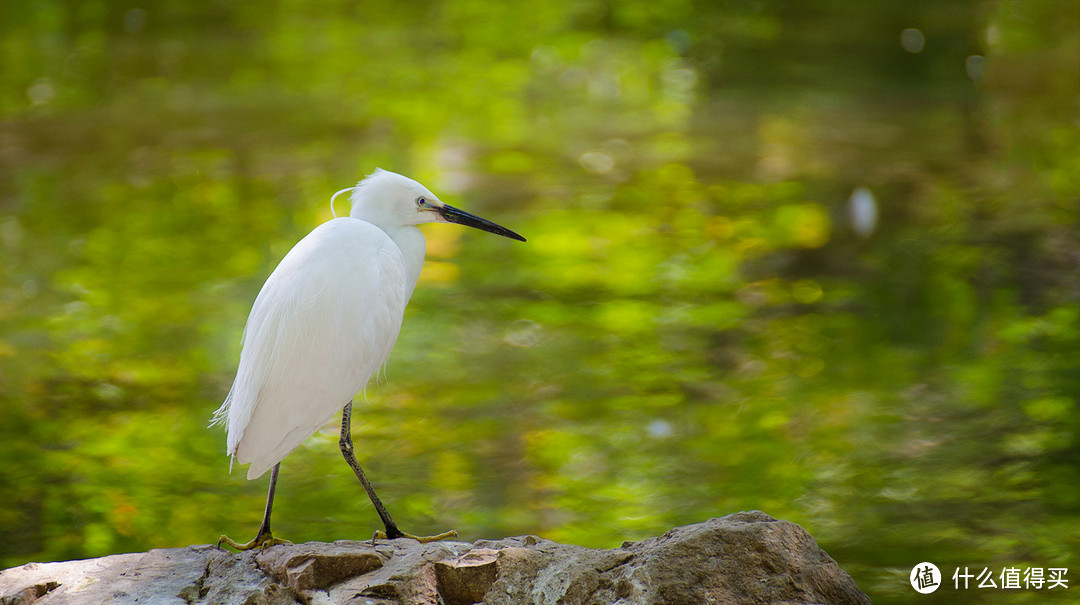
(466, 579)
(741, 558)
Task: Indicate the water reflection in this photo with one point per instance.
(765, 270)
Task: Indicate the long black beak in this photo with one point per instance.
(454, 215)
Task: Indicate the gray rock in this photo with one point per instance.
(741, 558)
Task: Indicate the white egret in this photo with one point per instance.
(323, 323)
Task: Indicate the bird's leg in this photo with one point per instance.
(264, 538)
(392, 531)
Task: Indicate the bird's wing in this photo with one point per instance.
(323, 323)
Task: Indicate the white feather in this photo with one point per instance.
(327, 317)
(324, 322)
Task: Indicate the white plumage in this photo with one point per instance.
(324, 322)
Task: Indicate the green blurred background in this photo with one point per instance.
(695, 327)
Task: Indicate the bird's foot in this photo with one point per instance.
(381, 535)
(263, 540)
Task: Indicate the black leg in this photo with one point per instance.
(264, 529)
(346, 444)
(264, 537)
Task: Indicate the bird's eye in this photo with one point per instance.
(420, 202)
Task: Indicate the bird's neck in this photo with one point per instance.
(408, 238)
(411, 242)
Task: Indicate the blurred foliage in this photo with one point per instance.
(694, 327)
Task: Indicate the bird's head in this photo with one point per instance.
(388, 199)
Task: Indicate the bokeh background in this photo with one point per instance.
(817, 258)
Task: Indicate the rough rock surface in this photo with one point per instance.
(741, 558)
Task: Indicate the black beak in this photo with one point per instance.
(453, 215)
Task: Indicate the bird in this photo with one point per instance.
(323, 323)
